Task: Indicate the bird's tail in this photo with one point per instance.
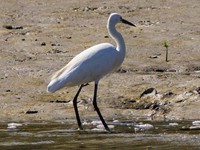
(54, 85)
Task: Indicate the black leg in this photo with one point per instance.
(97, 109)
(76, 108)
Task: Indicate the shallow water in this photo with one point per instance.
(124, 135)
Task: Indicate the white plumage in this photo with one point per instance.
(92, 64)
(86, 67)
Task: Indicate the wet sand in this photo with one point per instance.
(40, 37)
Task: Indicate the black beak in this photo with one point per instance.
(127, 22)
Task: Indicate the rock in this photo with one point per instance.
(144, 126)
(60, 101)
(155, 69)
(153, 56)
(31, 112)
(115, 121)
(121, 70)
(96, 122)
(131, 101)
(194, 127)
(8, 90)
(198, 90)
(196, 123)
(155, 106)
(101, 127)
(168, 94)
(43, 44)
(160, 70)
(144, 105)
(180, 101)
(172, 70)
(10, 27)
(13, 125)
(146, 22)
(173, 124)
(149, 92)
(53, 44)
(56, 51)
(69, 37)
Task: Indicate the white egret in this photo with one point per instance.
(91, 65)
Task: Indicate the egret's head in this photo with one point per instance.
(116, 18)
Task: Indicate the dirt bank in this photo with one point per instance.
(39, 37)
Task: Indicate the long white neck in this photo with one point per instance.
(118, 39)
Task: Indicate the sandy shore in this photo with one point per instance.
(39, 37)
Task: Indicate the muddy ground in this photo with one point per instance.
(39, 37)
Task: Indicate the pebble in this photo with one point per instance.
(168, 94)
(120, 70)
(96, 129)
(31, 112)
(10, 27)
(198, 90)
(154, 56)
(115, 121)
(13, 125)
(196, 123)
(43, 44)
(149, 91)
(194, 127)
(173, 124)
(100, 126)
(53, 44)
(8, 90)
(96, 122)
(144, 126)
(60, 101)
(69, 37)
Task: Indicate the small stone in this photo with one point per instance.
(115, 121)
(69, 37)
(60, 101)
(194, 127)
(31, 112)
(144, 126)
(198, 90)
(122, 70)
(43, 44)
(53, 44)
(131, 101)
(154, 56)
(173, 124)
(196, 123)
(13, 125)
(168, 94)
(10, 27)
(180, 101)
(157, 55)
(150, 91)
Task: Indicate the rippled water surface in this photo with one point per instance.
(124, 135)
